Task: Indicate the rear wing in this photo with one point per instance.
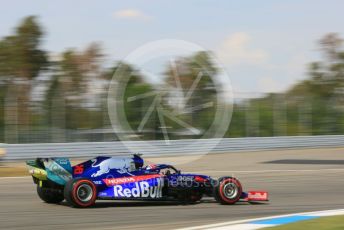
(57, 170)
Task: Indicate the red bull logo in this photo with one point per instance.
(141, 189)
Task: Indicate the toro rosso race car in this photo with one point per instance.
(126, 178)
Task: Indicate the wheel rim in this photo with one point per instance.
(230, 190)
(84, 192)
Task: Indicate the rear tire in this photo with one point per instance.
(228, 190)
(48, 195)
(80, 193)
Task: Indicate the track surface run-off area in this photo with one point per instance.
(297, 180)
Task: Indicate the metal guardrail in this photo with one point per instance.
(175, 147)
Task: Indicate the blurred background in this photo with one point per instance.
(280, 83)
(56, 63)
(274, 69)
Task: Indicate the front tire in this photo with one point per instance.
(80, 192)
(228, 190)
(48, 195)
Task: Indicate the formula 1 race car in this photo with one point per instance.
(125, 178)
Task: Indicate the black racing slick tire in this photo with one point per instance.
(80, 193)
(49, 195)
(228, 190)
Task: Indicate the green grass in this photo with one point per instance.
(323, 223)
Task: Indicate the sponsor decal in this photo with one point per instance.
(63, 161)
(97, 182)
(122, 165)
(185, 178)
(122, 180)
(141, 189)
(184, 181)
(78, 169)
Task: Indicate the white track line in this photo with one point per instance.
(226, 225)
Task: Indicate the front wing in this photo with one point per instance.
(254, 196)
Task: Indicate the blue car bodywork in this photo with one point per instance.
(127, 178)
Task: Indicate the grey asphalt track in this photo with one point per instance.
(307, 185)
